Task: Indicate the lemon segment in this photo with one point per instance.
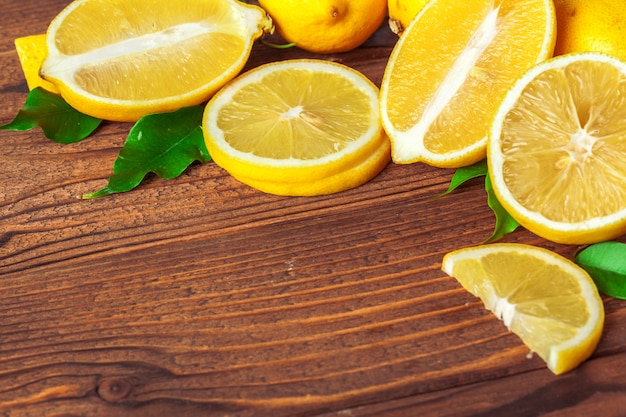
(548, 301)
(557, 148)
(31, 51)
(449, 70)
(120, 60)
(298, 127)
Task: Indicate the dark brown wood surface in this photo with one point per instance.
(202, 297)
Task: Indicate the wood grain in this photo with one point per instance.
(202, 297)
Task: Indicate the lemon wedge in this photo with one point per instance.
(548, 301)
(450, 69)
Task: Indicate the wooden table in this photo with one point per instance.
(200, 296)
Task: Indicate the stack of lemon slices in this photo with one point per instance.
(298, 127)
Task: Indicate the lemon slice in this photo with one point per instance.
(557, 149)
(119, 60)
(548, 301)
(31, 51)
(450, 69)
(298, 127)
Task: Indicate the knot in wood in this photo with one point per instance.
(114, 389)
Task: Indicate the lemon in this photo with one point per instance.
(401, 12)
(557, 148)
(450, 69)
(120, 60)
(326, 26)
(591, 26)
(548, 301)
(298, 127)
(31, 51)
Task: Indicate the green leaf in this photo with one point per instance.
(606, 263)
(164, 144)
(58, 120)
(505, 224)
(464, 174)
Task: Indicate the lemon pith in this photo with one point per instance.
(31, 51)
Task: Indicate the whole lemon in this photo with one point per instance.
(326, 26)
(591, 26)
(401, 12)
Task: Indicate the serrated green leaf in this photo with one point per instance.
(606, 263)
(164, 144)
(58, 120)
(505, 224)
(464, 174)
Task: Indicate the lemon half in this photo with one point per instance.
(120, 60)
(557, 148)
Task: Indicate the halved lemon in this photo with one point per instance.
(298, 127)
(548, 301)
(557, 148)
(120, 60)
(450, 69)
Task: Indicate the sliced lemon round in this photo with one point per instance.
(548, 301)
(450, 69)
(298, 127)
(557, 148)
(120, 60)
